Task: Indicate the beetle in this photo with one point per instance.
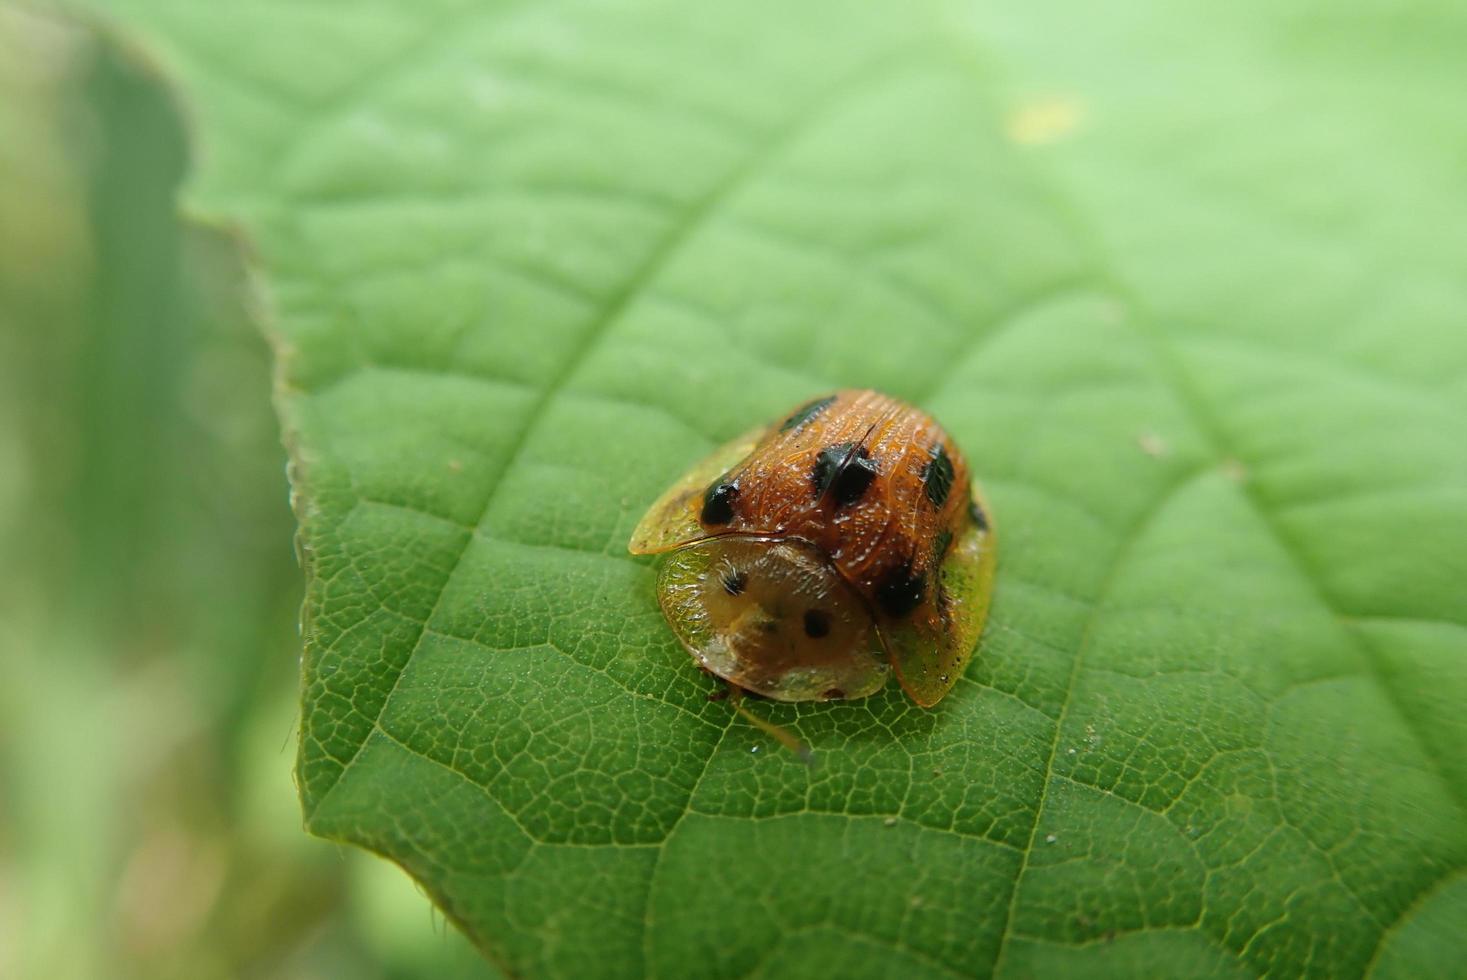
(811, 558)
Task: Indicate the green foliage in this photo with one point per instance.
(148, 594)
(1183, 279)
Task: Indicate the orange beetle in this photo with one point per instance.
(811, 558)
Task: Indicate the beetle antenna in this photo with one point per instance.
(785, 737)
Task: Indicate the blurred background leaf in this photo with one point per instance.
(148, 593)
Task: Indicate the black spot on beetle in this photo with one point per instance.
(817, 623)
(940, 546)
(805, 413)
(843, 473)
(937, 476)
(834, 694)
(734, 582)
(718, 503)
(901, 591)
(976, 513)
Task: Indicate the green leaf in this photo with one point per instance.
(1185, 282)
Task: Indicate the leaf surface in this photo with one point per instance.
(1184, 282)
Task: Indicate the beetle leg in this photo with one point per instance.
(784, 736)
